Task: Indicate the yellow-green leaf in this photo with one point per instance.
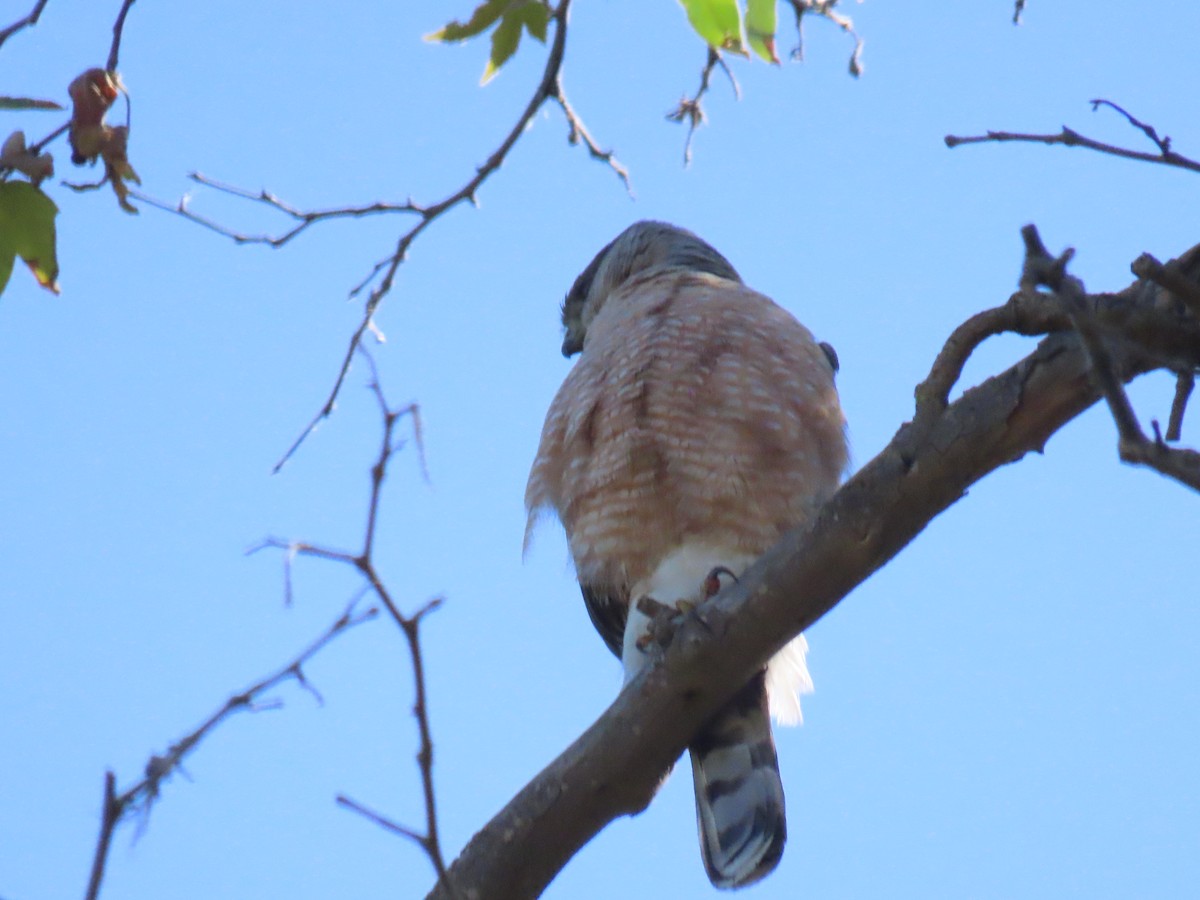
(27, 230)
(719, 22)
(481, 20)
(760, 28)
(505, 40)
(27, 103)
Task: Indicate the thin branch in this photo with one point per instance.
(1041, 269)
(383, 822)
(549, 88)
(825, 9)
(580, 134)
(1070, 138)
(110, 813)
(691, 110)
(118, 32)
(20, 24)
(303, 218)
(62, 129)
(1185, 382)
(141, 796)
(409, 625)
(1163, 144)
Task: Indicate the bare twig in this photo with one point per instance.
(549, 88)
(1185, 382)
(691, 110)
(141, 796)
(382, 821)
(1163, 144)
(825, 9)
(118, 32)
(303, 218)
(1041, 269)
(110, 813)
(1068, 137)
(363, 561)
(35, 149)
(30, 19)
(580, 134)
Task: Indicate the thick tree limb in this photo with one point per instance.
(614, 768)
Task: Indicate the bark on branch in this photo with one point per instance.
(614, 768)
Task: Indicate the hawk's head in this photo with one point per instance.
(640, 247)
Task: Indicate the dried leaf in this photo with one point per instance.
(93, 93)
(15, 155)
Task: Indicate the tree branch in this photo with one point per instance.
(826, 9)
(549, 88)
(690, 108)
(409, 625)
(1169, 276)
(1042, 270)
(1184, 384)
(614, 768)
(1071, 138)
(303, 218)
(21, 24)
(141, 796)
(118, 32)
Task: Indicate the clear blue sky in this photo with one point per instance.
(1008, 709)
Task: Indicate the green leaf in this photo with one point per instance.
(27, 230)
(514, 17)
(717, 21)
(27, 103)
(481, 20)
(505, 40)
(536, 16)
(760, 28)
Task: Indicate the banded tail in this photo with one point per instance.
(739, 795)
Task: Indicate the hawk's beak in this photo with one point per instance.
(571, 345)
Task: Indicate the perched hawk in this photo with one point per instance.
(699, 424)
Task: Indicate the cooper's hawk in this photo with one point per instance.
(700, 423)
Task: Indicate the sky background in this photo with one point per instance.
(1007, 709)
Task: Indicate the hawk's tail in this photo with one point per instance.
(739, 797)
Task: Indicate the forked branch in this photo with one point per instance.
(363, 561)
(1068, 137)
(140, 797)
(1043, 270)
